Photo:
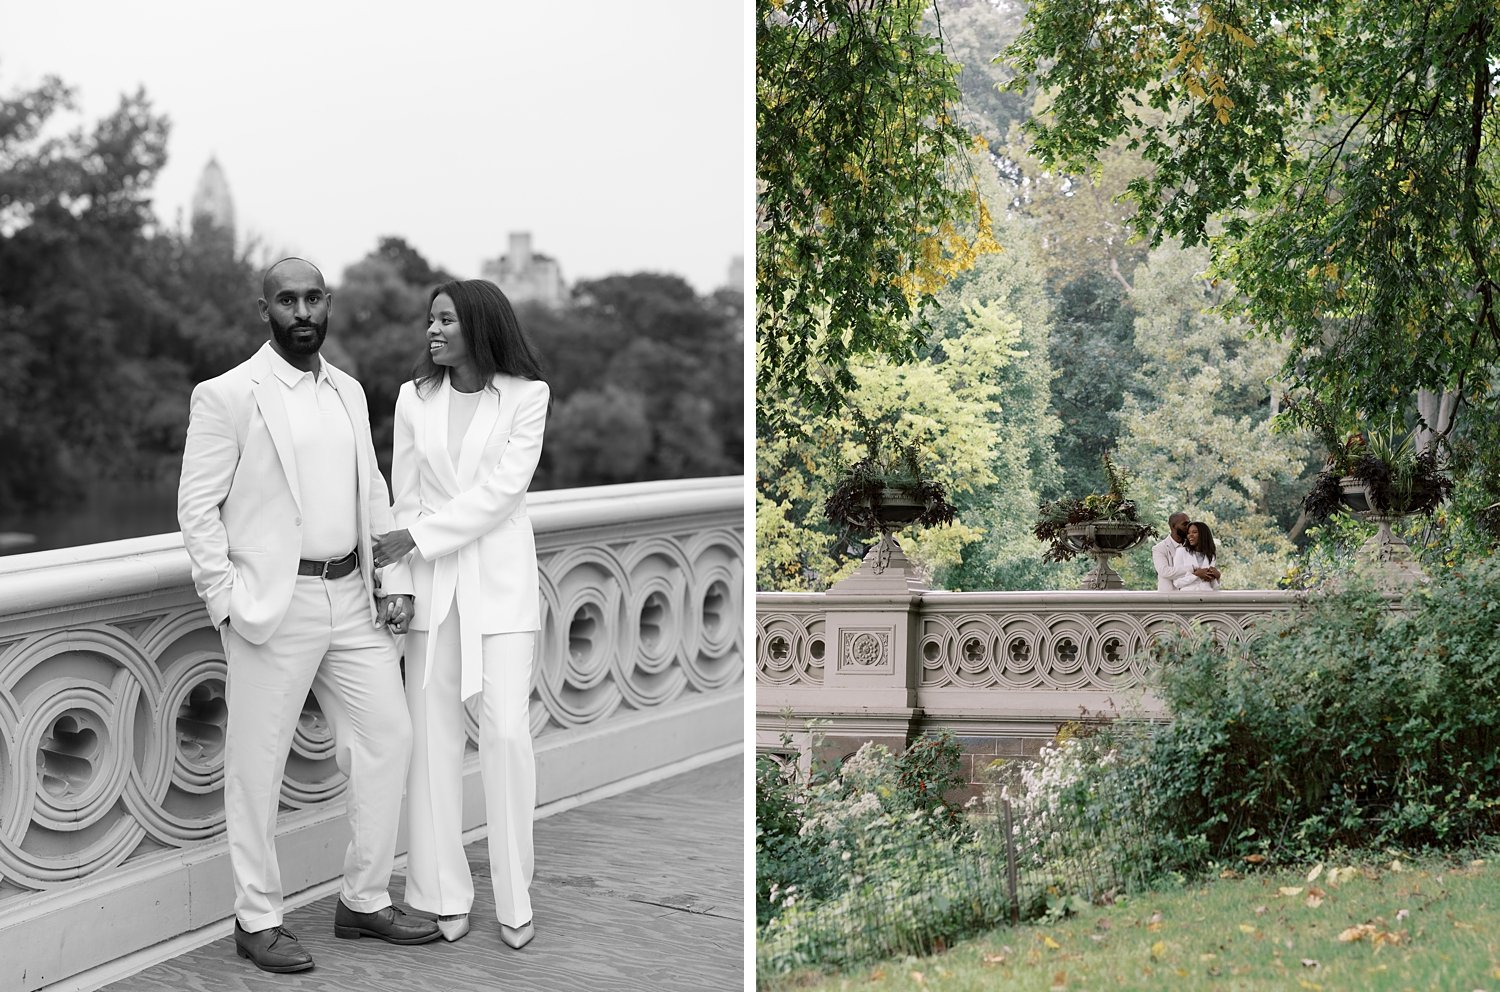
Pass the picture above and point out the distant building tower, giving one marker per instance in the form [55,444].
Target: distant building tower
[213,207]
[736,278]
[527,276]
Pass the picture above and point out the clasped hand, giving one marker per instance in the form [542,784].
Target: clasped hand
[393,547]
[395,611]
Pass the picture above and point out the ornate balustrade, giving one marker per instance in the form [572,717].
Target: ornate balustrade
[112,714]
[876,659]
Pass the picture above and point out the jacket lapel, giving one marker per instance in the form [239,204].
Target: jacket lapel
[273,411]
[485,416]
[437,438]
[344,387]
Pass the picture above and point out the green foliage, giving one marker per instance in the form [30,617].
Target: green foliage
[868,860]
[1054,517]
[1347,725]
[862,185]
[1347,149]
[1197,425]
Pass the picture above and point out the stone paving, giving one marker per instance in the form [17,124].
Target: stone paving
[641,892]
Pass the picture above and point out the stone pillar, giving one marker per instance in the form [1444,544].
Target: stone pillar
[872,669]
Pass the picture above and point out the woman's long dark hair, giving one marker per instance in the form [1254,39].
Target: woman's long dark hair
[1205,541]
[491,333]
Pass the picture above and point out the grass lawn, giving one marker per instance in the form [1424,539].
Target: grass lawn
[1391,926]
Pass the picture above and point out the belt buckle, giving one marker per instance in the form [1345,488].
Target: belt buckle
[326,566]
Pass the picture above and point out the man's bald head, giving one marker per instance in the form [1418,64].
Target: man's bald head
[296,305]
[290,266]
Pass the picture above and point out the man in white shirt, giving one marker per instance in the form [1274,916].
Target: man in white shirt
[279,500]
[1166,548]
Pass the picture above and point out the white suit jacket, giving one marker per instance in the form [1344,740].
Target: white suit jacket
[1167,571]
[238,498]
[474,543]
[1183,563]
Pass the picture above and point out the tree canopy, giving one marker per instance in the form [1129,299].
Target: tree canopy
[1338,156]
[865,203]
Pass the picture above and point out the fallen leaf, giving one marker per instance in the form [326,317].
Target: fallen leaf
[1290,890]
[919,978]
[1049,942]
[1355,933]
[1230,873]
[1396,865]
[1312,876]
[1158,949]
[1313,900]
[1402,914]
[1260,910]
[994,959]
[1254,859]
[1098,937]
[1207,957]
[1309,962]
[1059,981]
[1246,928]
[1314,986]
[1475,864]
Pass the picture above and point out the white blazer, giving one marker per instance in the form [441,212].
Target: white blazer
[1167,570]
[474,543]
[1184,561]
[238,498]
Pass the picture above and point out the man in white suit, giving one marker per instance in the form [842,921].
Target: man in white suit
[1161,556]
[279,497]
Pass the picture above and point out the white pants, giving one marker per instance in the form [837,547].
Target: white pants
[437,872]
[325,643]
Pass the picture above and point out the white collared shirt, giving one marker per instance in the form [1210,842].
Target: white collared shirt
[323,444]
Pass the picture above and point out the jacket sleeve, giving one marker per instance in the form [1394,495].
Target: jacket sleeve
[1167,566]
[209,458]
[396,578]
[478,510]
[1182,568]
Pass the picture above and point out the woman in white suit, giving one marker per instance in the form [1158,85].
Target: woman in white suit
[468,435]
[1196,552]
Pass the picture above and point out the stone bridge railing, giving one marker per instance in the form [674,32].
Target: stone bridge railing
[877,658]
[112,714]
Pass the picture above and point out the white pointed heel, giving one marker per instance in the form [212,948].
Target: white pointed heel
[517,937]
[453,927]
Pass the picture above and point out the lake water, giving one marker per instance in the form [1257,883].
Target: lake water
[109,513]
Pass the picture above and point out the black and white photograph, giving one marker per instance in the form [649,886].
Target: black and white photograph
[372,496]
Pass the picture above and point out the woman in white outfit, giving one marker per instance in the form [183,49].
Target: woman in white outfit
[1197,551]
[468,435]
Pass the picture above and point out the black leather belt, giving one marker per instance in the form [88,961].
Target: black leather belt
[336,569]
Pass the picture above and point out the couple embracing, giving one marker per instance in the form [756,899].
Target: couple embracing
[1186,558]
[308,574]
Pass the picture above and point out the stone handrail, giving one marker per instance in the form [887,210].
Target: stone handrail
[888,664]
[112,712]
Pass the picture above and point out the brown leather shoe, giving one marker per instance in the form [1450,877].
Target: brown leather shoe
[275,950]
[389,924]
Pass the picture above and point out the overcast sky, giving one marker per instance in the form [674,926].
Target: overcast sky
[614,132]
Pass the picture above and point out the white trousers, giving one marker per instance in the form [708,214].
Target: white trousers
[326,643]
[437,872]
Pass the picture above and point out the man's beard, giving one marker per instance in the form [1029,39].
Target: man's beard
[283,335]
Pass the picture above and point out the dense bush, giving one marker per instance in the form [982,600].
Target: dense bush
[1349,724]
[804,825]
[868,859]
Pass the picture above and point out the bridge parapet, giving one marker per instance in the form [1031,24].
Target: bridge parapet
[112,714]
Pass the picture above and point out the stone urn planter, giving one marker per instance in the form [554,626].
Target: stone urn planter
[1103,540]
[1386,555]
